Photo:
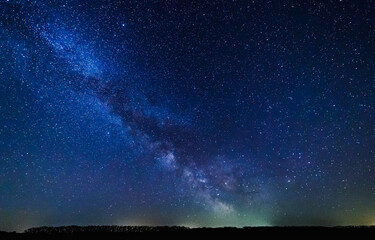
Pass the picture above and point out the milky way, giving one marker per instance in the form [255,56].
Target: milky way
[195,113]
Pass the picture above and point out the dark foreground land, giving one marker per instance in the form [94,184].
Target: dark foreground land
[134,232]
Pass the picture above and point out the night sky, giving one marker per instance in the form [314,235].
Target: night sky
[194,113]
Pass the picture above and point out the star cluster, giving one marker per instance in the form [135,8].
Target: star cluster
[195,113]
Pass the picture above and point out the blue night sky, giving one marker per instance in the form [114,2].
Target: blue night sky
[195,113]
